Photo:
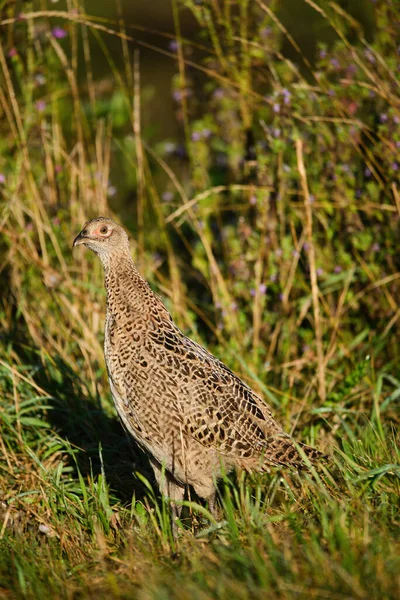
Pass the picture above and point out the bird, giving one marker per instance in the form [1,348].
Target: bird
[194,418]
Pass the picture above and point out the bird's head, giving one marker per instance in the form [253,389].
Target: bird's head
[103,236]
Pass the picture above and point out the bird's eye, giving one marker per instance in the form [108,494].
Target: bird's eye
[85,232]
[103,230]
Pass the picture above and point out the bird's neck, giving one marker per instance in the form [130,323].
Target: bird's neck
[117,263]
[126,288]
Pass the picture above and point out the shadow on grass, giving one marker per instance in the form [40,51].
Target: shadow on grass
[99,440]
[81,419]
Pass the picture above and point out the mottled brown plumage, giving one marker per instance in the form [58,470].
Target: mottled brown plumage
[193,416]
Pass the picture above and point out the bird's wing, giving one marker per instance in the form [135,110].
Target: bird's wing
[216,407]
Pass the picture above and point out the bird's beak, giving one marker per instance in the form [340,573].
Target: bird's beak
[80,239]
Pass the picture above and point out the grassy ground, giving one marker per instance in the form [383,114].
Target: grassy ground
[270,228]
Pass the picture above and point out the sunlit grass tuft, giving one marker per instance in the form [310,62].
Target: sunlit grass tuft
[271,230]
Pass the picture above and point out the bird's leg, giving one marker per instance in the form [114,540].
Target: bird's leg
[169,488]
[213,506]
[176,492]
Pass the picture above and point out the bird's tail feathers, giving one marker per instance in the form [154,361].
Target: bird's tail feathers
[282,451]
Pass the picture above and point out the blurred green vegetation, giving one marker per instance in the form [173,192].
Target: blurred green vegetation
[259,178]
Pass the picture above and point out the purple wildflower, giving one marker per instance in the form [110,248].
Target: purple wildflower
[335,63]
[219,93]
[58,168]
[179,94]
[12,52]
[196,136]
[375,247]
[40,105]
[295,253]
[286,96]
[397,144]
[206,133]
[276,132]
[234,306]
[252,292]
[311,198]
[157,257]
[111,191]
[338,269]
[167,196]
[262,288]
[367,172]
[253,200]
[180,151]
[273,277]
[276,107]
[369,55]
[331,93]
[2,178]
[319,271]
[265,32]
[278,252]
[173,45]
[322,54]
[395,166]
[383,118]
[306,246]
[396,119]
[59,33]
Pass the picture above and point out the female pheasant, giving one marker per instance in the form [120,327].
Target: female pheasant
[192,415]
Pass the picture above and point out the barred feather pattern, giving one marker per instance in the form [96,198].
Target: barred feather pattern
[194,417]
